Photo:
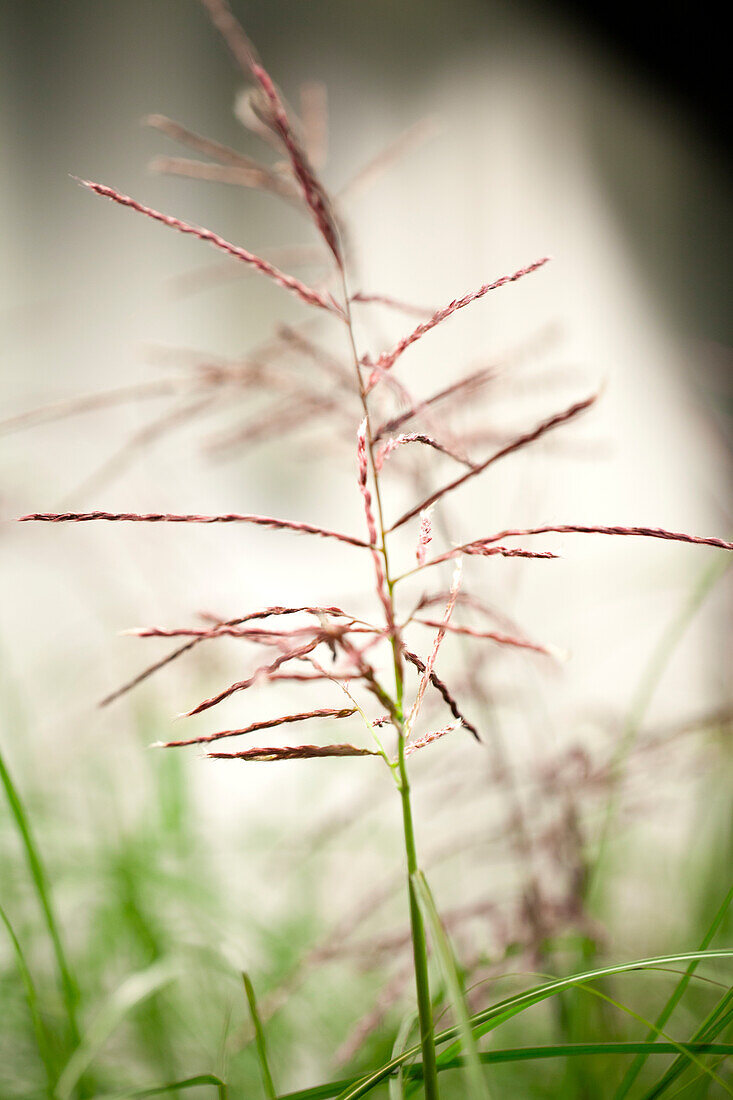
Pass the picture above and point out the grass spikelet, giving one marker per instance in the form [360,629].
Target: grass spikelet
[168,517]
[221,628]
[141,677]
[257,634]
[640,532]
[482,551]
[262,673]
[289,282]
[442,690]
[388,359]
[428,738]
[515,445]
[470,383]
[269,723]
[394,442]
[292,752]
[212,633]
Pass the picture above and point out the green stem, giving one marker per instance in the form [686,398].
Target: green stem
[417,926]
[419,944]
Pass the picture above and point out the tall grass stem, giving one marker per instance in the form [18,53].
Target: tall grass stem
[417,925]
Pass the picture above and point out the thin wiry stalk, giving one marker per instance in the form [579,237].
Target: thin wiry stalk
[417,925]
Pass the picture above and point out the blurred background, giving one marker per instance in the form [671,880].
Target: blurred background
[546,131]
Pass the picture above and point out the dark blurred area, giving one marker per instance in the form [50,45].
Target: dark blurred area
[683,59]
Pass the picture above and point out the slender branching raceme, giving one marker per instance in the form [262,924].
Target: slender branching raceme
[384,681]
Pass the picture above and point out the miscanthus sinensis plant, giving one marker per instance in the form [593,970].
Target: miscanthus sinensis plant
[383,682]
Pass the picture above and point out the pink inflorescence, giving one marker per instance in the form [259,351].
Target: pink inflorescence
[300,147]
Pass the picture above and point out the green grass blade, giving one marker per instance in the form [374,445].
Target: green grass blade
[477,1087]
[32,999]
[38,875]
[171,1086]
[491,1017]
[704,1070]
[636,1066]
[333,1089]
[267,1081]
[582,1050]
[409,1022]
[717,1020]
[138,987]
[693,1080]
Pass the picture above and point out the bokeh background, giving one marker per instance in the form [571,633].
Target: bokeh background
[545,135]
